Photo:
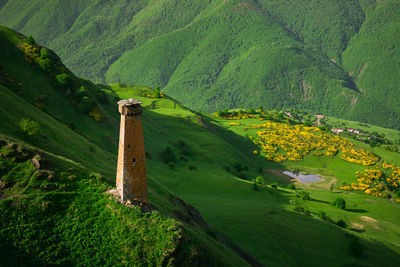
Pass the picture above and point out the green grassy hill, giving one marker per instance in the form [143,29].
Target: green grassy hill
[332,57]
[209,210]
[53,200]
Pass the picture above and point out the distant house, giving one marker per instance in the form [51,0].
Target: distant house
[338,130]
[289,114]
[355,131]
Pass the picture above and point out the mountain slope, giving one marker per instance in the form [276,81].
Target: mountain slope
[53,200]
[198,179]
[227,54]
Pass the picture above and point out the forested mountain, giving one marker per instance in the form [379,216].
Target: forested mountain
[332,57]
[217,190]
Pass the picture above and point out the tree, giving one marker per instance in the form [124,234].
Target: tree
[274,185]
[322,215]
[29,127]
[304,195]
[86,104]
[46,64]
[81,92]
[260,180]
[340,203]
[30,40]
[168,155]
[341,223]
[157,92]
[291,186]
[44,53]
[64,79]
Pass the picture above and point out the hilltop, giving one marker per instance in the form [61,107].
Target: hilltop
[337,58]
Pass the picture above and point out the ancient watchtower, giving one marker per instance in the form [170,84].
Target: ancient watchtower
[131,169]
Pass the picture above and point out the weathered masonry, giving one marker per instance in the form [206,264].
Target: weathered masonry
[131,169]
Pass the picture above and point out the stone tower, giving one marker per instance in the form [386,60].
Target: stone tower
[131,169]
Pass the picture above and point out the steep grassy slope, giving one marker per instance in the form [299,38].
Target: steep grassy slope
[226,54]
[53,201]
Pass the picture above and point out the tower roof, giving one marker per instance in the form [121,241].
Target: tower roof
[129,102]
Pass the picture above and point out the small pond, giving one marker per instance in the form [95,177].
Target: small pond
[303,178]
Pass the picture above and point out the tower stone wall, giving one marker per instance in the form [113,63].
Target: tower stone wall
[131,170]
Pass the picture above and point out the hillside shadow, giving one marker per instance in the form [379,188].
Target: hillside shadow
[357,210]
[320,201]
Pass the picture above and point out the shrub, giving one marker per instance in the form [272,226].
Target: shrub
[299,207]
[341,223]
[168,155]
[322,215]
[340,203]
[183,158]
[157,92]
[242,176]
[304,195]
[81,92]
[251,111]
[44,53]
[171,165]
[64,79]
[30,40]
[274,185]
[46,64]
[192,167]
[291,187]
[260,180]
[86,104]
[29,127]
